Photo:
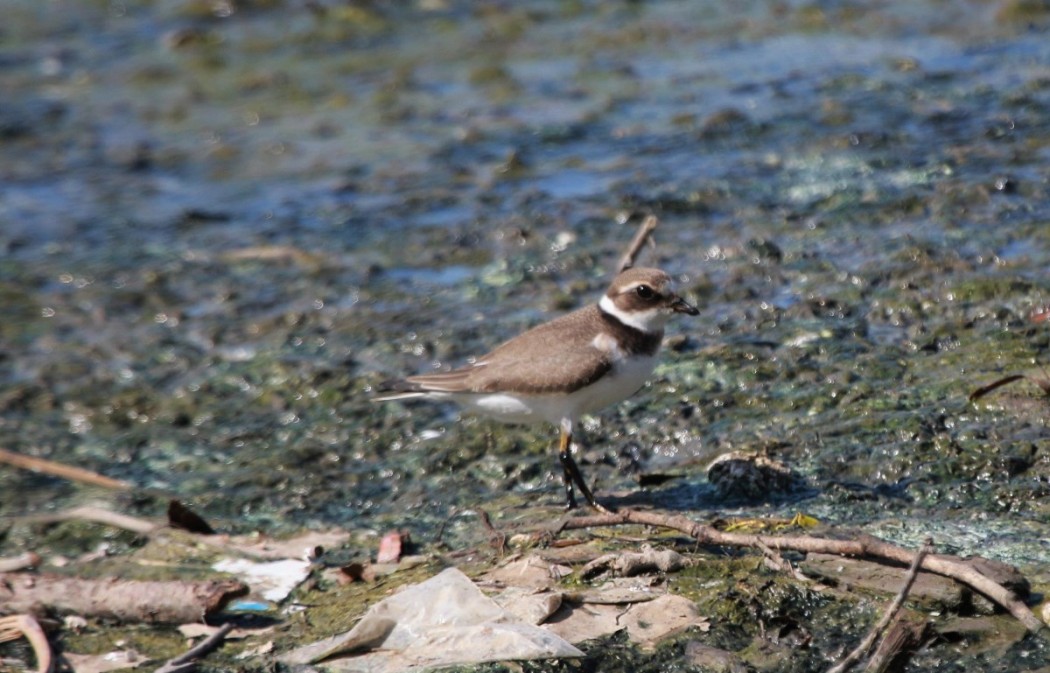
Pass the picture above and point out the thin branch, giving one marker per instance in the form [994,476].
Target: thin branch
[59,470]
[255,548]
[20,562]
[984,390]
[777,563]
[499,539]
[645,230]
[98,515]
[187,661]
[866,546]
[891,611]
[15,626]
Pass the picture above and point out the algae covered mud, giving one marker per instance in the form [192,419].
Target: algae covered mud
[223,224]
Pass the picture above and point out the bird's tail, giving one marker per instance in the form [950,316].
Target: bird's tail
[397,389]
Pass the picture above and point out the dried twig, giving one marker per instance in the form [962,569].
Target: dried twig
[21,562]
[499,538]
[629,564]
[774,561]
[187,661]
[891,612]
[97,515]
[1043,383]
[250,546]
[59,470]
[16,626]
[865,546]
[645,230]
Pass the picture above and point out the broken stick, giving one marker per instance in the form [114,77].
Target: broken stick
[641,237]
[59,470]
[961,571]
[99,515]
[860,650]
[187,661]
[21,562]
[16,626]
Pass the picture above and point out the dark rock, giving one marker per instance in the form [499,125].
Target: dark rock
[712,659]
[849,574]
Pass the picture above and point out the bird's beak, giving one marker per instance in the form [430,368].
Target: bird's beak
[679,305]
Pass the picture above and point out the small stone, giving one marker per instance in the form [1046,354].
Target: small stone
[712,659]
[750,476]
[931,590]
[391,547]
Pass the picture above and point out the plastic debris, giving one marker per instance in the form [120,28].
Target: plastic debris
[443,621]
[273,580]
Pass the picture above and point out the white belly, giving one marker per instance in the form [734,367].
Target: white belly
[626,377]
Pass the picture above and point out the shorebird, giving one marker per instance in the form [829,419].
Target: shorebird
[560,370]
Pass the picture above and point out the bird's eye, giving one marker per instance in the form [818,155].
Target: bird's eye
[645,292]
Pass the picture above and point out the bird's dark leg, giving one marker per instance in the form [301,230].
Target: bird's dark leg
[565,456]
[571,474]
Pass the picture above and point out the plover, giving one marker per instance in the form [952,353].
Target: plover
[560,370]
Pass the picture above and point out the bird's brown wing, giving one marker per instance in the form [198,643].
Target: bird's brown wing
[557,356]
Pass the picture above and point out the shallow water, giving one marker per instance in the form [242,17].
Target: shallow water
[221,226]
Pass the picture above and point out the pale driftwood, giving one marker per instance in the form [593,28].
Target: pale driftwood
[17,626]
[98,515]
[629,564]
[864,546]
[61,470]
[20,562]
[253,546]
[111,598]
[641,237]
[187,661]
[891,611]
